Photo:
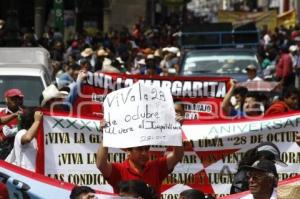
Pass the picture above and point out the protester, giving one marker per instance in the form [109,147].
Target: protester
[252,73]
[263,179]
[288,103]
[239,94]
[284,68]
[69,76]
[191,194]
[136,189]
[82,192]
[263,151]
[53,98]
[25,145]
[14,105]
[138,166]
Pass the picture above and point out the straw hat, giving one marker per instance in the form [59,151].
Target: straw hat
[52,92]
[102,53]
[87,52]
[107,67]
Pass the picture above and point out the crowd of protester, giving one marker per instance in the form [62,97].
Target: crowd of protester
[147,50]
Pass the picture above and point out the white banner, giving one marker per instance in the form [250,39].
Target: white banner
[140,115]
[209,165]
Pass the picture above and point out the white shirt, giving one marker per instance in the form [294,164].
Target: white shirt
[250,196]
[254,79]
[23,155]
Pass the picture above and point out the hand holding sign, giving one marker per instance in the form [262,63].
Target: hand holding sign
[140,115]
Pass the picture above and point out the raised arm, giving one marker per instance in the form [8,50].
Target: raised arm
[226,105]
[32,131]
[174,157]
[102,161]
[102,157]
[8,118]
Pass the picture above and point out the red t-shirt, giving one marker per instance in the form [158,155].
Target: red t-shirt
[154,173]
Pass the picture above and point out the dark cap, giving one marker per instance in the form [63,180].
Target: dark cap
[269,147]
[14,92]
[262,165]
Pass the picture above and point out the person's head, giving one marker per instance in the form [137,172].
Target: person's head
[191,194]
[82,192]
[291,97]
[84,64]
[136,189]
[139,156]
[252,105]
[262,177]
[27,118]
[251,71]
[179,108]
[51,97]
[14,99]
[240,93]
[73,70]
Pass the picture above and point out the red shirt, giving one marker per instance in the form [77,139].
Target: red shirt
[284,67]
[278,107]
[154,173]
[11,124]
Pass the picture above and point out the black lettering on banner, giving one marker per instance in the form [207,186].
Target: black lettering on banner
[57,176]
[79,138]
[169,196]
[220,178]
[233,158]
[289,136]
[57,138]
[189,159]
[95,138]
[180,178]
[290,157]
[70,158]
[239,140]
[86,179]
[215,142]
[283,176]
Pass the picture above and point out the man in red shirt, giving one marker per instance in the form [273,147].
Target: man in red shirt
[9,121]
[287,104]
[14,102]
[138,166]
[284,68]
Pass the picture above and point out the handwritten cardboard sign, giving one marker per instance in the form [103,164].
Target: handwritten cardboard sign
[140,115]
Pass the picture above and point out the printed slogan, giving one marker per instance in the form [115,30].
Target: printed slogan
[209,163]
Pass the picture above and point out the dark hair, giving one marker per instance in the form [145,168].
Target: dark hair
[27,118]
[137,188]
[192,194]
[74,67]
[77,190]
[242,91]
[254,95]
[289,92]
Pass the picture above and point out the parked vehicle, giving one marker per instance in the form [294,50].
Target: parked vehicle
[219,62]
[218,50]
[27,69]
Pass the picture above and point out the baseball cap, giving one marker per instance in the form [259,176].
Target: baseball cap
[262,165]
[251,67]
[13,93]
[270,148]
